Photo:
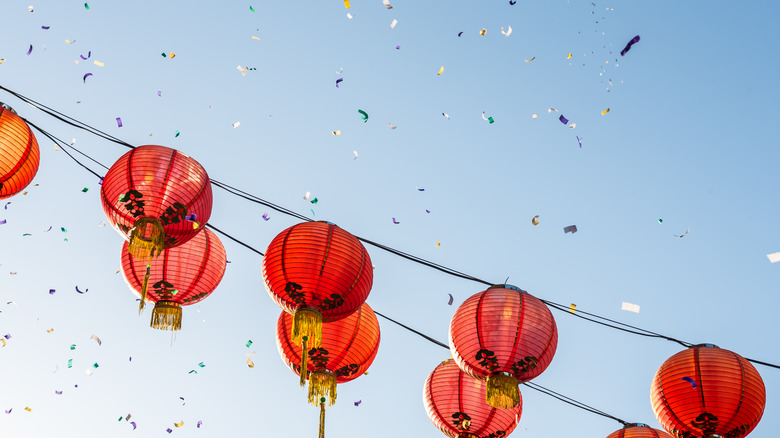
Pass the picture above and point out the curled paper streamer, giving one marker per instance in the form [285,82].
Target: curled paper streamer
[395,221]
[449,303]
[134,425]
[96,339]
[265,218]
[604,113]
[508,30]
[579,140]
[534,221]
[529,60]
[85,290]
[441,70]
[338,81]
[179,424]
[249,363]
[689,380]
[30,50]
[633,41]
[363,115]
[85,77]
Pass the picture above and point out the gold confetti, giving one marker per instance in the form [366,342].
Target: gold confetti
[604,113]
[49,330]
[534,221]
[249,363]
[255,38]
[483,31]
[529,60]
[338,132]
[572,307]
[346,4]
[438,244]
[568,56]
[441,70]
[99,64]
[27,408]
[179,424]
[171,55]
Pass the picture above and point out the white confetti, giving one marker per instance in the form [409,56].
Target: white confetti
[630,307]
[392,25]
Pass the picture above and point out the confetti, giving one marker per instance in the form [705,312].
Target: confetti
[350,16]
[70,363]
[45,27]
[533,116]
[357,403]
[563,120]
[441,70]
[438,244]
[488,119]
[86,76]
[49,330]
[630,307]
[660,221]
[689,380]
[534,221]
[9,411]
[119,122]
[85,290]
[390,125]
[249,363]
[549,110]
[72,346]
[192,371]
[306,196]
[88,55]
[58,392]
[568,56]
[570,229]
[446,115]
[199,423]
[397,47]
[30,50]
[255,38]
[508,30]
[363,115]
[774,258]
[201,365]
[169,430]
[236,125]
[337,132]
[7,336]
[449,303]
[86,6]
[483,31]
[171,55]
[243,70]
[2,60]
[3,341]
[356,155]
[251,8]
[339,80]
[51,291]
[392,25]
[529,60]
[572,126]
[31,9]
[459,34]
[95,365]
[265,218]
[96,339]
[179,424]
[100,64]
[387,4]
[85,190]
[633,41]
[683,234]
[579,141]
[27,408]
[512,2]
[604,113]
[572,308]
[419,189]
[314,201]
[134,425]
[395,221]
[3,222]
[177,133]
[346,4]
[159,93]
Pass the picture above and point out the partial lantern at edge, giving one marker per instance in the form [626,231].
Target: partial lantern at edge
[317,272]
[156,198]
[347,349]
[19,153]
[503,335]
[706,391]
[455,403]
[181,276]
[638,430]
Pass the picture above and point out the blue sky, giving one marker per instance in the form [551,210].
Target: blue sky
[689,139]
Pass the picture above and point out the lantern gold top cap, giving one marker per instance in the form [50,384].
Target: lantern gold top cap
[704,345]
[630,425]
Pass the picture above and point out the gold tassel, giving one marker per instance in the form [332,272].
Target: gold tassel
[166,315]
[322,383]
[322,417]
[502,391]
[304,359]
[147,238]
[143,289]
[307,321]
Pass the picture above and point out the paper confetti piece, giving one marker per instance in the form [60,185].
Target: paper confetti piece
[579,141]
[236,125]
[306,196]
[549,110]
[7,336]
[99,64]
[265,218]
[774,258]
[363,115]
[9,411]
[572,126]
[689,380]
[169,430]
[459,34]
[179,424]
[449,303]
[243,70]
[339,80]
[633,41]
[483,31]
[49,330]
[134,425]
[604,113]
[489,119]
[534,221]
[177,133]
[119,122]
[337,132]
[357,403]
[350,16]
[563,120]
[251,8]
[387,4]
[96,339]
[85,290]
[30,8]
[441,70]
[171,55]
[568,56]
[446,115]
[86,76]
[4,344]
[85,190]
[88,55]
[630,307]
[397,47]
[51,291]
[683,234]
[660,221]
[249,363]
[192,371]
[255,38]
[70,363]
[314,201]
[27,408]
[58,392]
[390,125]
[512,2]
[45,27]
[395,221]
[572,308]
[201,365]
[529,60]
[95,365]
[508,30]
[2,60]
[356,155]
[346,4]
[199,423]
[570,229]
[533,116]
[3,222]
[86,6]
[392,25]
[72,346]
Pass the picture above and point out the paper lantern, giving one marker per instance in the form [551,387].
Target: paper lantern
[156,198]
[181,276]
[319,273]
[19,153]
[347,349]
[638,430]
[707,391]
[455,403]
[506,336]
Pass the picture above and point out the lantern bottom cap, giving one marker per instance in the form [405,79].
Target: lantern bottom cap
[322,383]
[502,391]
[307,322]
[166,315]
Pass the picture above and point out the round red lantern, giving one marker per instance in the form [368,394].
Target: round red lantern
[706,391]
[319,273]
[506,336]
[346,350]
[455,403]
[181,276]
[157,198]
[638,430]
[19,153]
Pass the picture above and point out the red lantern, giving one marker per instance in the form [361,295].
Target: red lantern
[504,335]
[19,153]
[319,273]
[638,430]
[707,391]
[347,348]
[181,276]
[157,198]
[455,403]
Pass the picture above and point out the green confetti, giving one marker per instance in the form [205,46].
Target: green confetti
[177,134]
[64,230]
[95,365]
[251,8]
[490,119]
[312,212]
[315,200]
[201,365]
[122,198]
[164,55]
[121,417]
[660,221]
[86,6]
[70,363]
[26,234]
[85,190]
[248,343]
[363,115]
[72,346]
[192,371]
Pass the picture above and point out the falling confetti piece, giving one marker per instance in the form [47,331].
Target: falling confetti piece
[356,155]
[449,303]
[572,307]
[579,141]
[86,76]
[199,423]
[512,2]
[72,346]
[201,365]
[604,113]
[563,120]
[338,132]
[58,392]
[483,31]
[4,344]
[459,34]
[27,408]
[249,363]
[441,70]
[64,230]
[446,115]
[169,430]
[9,411]
[508,30]
[51,291]
[192,371]
[98,63]
[339,80]
[438,244]
[683,234]
[387,4]
[177,133]
[397,47]
[96,339]
[2,60]
[248,343]
[70,363]
[85,190]
[134,425]
[45,27]
[119,122]
[85,290]
[533,116]
[689,380]
[179,424]
[159,93]
[49,330]
[314,201]
[630,307]
[255,38]
[660,221]
[534,221]
[529,60]
[86,6]
[633,41]
[251,8]
[395,221]
[390,125]
[570,229]
[489,119]
[171,55]
[265,218]
[549,110]
[3,222]
[30,8]
[306,196]
[357,403]
[87,57]
[236,125]
[312,212]
[572,126]
[568,56]
[346,4]
[95,365]
[243,70]
[774,258]
[363,115]
[392,25]
[350,16]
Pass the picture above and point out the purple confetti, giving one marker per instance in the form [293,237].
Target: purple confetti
[88,55]
[58,392]
[420,190]
[86,76]
[85,290]
[579,140]
[512,2]
[199,423]
[159,93]
[9,411]
[427,211]
[397,47]
[338,80]
[45,27]
[119,121]
[7,336]
[6,205]
[29,51]
[100,182]
[133,423]
[563,120]
[266,217]
[169,430]
[48,229]
[51,291]
[3,222]
[357,403]
[460,33]
[688,379]
[131,359]
[633,41]
[395,221]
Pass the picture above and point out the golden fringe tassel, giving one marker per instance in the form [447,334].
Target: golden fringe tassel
[166,315]
[502,391]
[144,288]
[322,417]
[322,383]
[307,321]
[304,360]
[147,238]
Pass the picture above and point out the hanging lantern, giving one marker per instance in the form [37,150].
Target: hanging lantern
[347,348]
[706,391]
[506,336]
[157,198]
[19,153]
[319,273]
[455,403]
[638,430]
[181,276]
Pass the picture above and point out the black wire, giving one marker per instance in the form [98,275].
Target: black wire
[54,139]
[440,344]
[233,239]
[252,198]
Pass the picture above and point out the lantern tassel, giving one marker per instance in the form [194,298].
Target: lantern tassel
[307,321]
[144,288]
[304,359]
[322,418]
[166,315]
[502,391]
[147,238]
[322,383]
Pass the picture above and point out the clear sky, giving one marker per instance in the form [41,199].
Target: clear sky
[690,138]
